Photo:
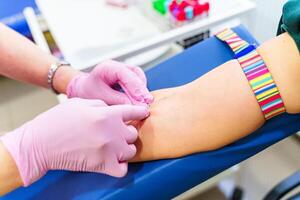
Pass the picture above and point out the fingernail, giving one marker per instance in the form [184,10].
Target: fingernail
[148,98]
[147,112]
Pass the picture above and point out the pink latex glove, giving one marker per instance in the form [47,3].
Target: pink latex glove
[99,83]
[78,135]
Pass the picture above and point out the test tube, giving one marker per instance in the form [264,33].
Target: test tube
[189,12]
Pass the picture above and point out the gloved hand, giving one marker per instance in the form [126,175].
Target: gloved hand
[99,83]
[78,135]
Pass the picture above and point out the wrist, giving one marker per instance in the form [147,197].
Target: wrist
[27,156]
[63,77]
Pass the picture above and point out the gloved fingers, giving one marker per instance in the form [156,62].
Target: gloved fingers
[139,72]
[127,153]
[118,98]
[133,100]
[113,72]
[133,86]
[94,102]
[116,168]
[121,170]
[130,112]
[130,80]
[88,102]
[131,135]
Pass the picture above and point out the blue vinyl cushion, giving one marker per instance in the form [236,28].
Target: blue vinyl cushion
[167,178]
[11,14]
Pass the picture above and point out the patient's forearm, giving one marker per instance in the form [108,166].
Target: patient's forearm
[218,108]
[212,111]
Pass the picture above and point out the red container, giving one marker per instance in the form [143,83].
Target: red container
[183,4]
[206,6]
[198,10]
[173,5]
[179,15]
[192,2]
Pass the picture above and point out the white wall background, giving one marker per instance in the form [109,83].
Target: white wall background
[263,22]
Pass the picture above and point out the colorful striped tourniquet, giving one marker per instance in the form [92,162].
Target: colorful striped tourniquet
[257,73]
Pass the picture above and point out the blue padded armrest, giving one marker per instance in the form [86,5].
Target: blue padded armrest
[167,178]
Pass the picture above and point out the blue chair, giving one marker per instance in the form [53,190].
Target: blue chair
[285,187]
[165,179]
[11,14]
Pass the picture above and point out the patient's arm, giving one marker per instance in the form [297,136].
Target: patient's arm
[217,108]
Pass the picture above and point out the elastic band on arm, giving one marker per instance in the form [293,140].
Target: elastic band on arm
[257,73]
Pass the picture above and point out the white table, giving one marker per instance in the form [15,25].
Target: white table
[64,17]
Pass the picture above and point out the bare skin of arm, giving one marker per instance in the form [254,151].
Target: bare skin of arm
[218,108]
[22,60]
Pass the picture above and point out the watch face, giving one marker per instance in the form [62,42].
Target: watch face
[245,51]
